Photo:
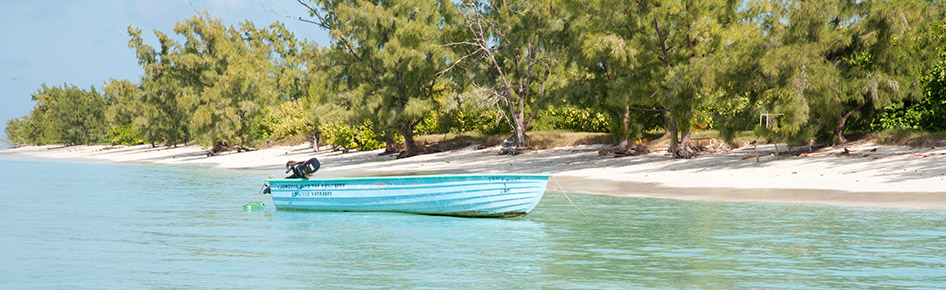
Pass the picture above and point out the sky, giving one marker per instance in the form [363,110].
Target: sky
[85,42]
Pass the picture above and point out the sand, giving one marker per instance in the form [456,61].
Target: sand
[869,175]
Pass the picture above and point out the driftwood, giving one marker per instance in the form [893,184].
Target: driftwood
[631,150]
[791,150]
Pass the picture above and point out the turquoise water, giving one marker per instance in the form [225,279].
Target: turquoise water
[107,226]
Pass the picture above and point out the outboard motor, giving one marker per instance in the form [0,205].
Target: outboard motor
[303,169]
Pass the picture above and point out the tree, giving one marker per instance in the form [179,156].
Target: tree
[323,93]
[880,65]
[929,112]
[124,111]
[516,52]
[608,42]
[687,37]
[389,54]
[63,115]
[230,80]
[768,70]
[833,58]
[216,84]
[933,104]
[122,97]
[291,59]
[159,111]
[20,130]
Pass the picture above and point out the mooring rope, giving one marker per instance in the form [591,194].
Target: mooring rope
[260,192]
[569,199]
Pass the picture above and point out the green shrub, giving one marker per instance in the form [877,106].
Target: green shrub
[347,137]
[572,118]
[124,135]
[285,120]
[455,121]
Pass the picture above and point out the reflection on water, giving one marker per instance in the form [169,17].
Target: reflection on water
[129,226]
[406,250]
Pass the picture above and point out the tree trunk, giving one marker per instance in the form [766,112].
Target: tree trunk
[520,137]
[687,149]
[315,138]
[755,148]
[840,130]
[625,146]
[519,127]
[390,147]
[680,146]
[624,142]
[776,152]
[410,148]
[672,130]
[151,137]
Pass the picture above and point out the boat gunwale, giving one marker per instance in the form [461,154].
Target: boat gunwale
[398,177]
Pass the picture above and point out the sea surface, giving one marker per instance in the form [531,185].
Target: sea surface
[72,225]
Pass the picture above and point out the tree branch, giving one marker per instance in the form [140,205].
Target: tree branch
[648,110]
[317,15]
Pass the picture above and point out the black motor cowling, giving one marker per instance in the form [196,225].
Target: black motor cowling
[303,169]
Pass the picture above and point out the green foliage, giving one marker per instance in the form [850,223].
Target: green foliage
[457,121]
[241,83]
[520,45]
[611,48]
[929,113]
[398,68]
[128,113]
[155,107]
[61,115]
[932,113]
[215,86]
[124,135]
[932,108]
[393,56]
[573,118]
[834,58]
[20,131]
[901,116]
[464,112]
[286,120]
[361,137]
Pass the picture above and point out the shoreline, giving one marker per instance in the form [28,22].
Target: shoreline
[870,175]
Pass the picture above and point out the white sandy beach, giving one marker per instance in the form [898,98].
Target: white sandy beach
[891,176]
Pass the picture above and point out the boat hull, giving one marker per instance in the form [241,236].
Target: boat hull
[472,195]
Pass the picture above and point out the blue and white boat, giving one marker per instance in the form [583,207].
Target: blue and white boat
[472,195]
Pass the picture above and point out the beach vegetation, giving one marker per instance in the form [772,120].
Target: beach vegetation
[20,131]
[391,56]
[540,139]
[124,135]
[514,52]
[573,118]
[156,109]
[61,115]
[927,113]
[402,75]
[907,137]
[353,138]
[282,121]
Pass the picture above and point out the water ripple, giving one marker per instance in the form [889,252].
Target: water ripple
[130,226]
